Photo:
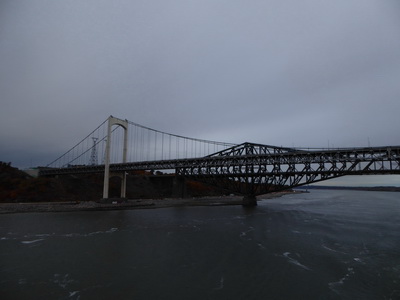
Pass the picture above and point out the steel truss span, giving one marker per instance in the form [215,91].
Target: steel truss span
[254,169]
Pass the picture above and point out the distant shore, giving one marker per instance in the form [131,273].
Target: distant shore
[34,207]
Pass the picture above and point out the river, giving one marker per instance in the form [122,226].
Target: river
[320,245]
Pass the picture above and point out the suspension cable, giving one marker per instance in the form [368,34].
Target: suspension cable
[77,143]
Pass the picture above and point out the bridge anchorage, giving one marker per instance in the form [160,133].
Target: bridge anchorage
[246,169]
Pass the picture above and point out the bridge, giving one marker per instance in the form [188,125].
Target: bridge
[117,147]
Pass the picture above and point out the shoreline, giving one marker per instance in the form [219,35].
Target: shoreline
[36,207]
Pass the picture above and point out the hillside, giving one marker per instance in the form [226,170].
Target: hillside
[17,186]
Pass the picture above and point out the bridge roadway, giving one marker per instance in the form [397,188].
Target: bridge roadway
[254,169]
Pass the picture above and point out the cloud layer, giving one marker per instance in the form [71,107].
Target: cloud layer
[292,73]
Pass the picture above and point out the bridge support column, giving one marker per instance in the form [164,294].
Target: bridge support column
[249,200]
[123,185]
[124,124]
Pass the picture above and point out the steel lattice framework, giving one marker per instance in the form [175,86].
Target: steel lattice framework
[254,169]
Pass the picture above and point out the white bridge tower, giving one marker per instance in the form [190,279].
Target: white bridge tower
[124,124]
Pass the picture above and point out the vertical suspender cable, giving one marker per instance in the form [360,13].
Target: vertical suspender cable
[169,151]
[162,146]
[155,145]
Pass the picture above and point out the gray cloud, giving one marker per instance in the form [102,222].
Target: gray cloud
[302,73]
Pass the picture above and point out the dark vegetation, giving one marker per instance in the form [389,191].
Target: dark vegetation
[17,186]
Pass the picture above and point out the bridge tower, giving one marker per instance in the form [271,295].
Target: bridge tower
[124,124]
[93,155]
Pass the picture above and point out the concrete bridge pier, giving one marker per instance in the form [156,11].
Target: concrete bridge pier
[123,185]
[249,200]
[179,187]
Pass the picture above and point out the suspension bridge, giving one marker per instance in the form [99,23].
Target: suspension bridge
[117,147]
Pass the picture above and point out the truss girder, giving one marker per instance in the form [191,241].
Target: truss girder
[258,169]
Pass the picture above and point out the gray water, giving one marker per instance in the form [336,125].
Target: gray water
[318,245]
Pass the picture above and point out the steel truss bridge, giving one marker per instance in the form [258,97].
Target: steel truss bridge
[248,169]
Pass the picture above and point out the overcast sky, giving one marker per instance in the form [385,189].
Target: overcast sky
[308,73]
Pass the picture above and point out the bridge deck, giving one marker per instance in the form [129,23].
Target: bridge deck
[356,160]
[256,169]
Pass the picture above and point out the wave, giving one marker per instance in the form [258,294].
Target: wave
[295,262]
[31,242]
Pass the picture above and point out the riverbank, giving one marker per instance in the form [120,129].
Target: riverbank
[7,208]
